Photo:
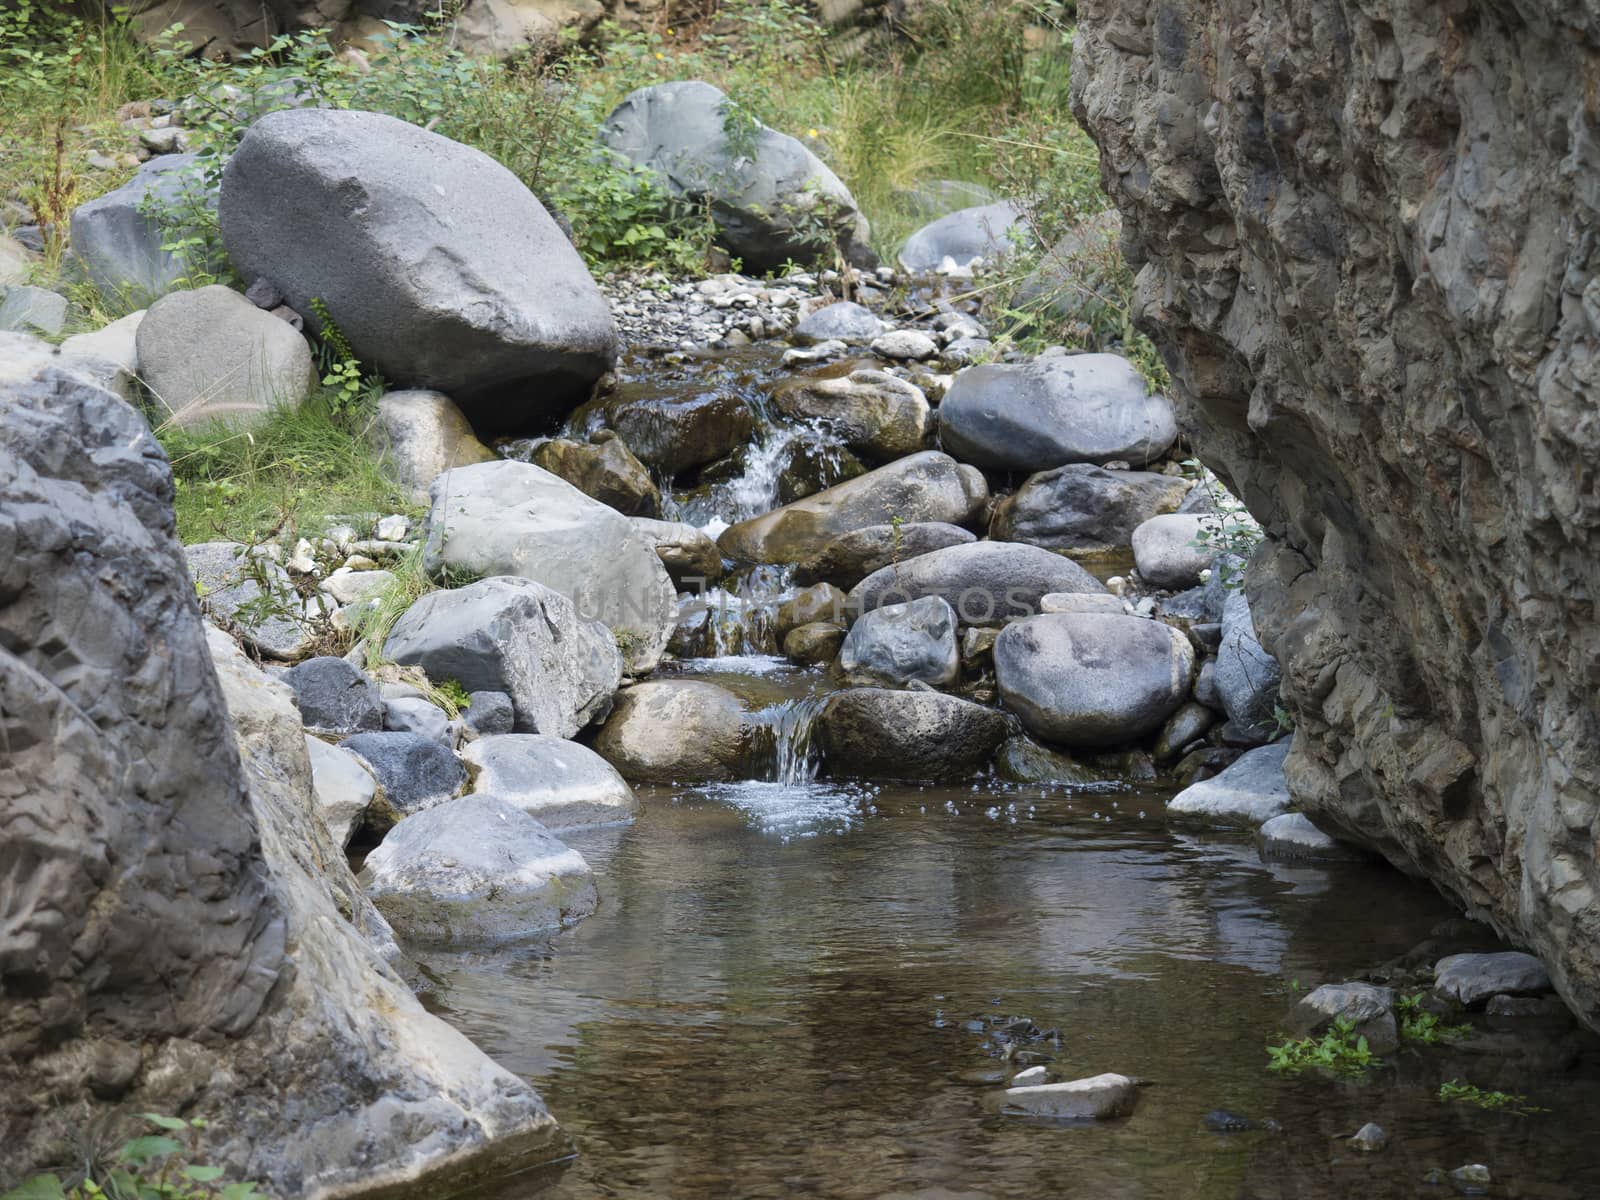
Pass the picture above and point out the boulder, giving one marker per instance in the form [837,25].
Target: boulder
[690,557]
[1083,679]
[1084,510]
[249,594]
[559,782]
[511,518]
[1184,727]
[421,435]
[771,198]
[851,557]
[334,698]
[211,355]
[1172,550]
[1293,837]
[674,432]
[477,872]
[987,232]
[987,583]
[897,643]
[1471,979]
[118,236]
[923,487]
[415,714]
[342,788]
[604,469]
[414,772]
[815,644]
[819,602]
[440,268]
[1247,676]
[874,733]
[190,937]
[842,321]
[1249,793]
[1088,408]
[879,416]
[1369,1008]
[683,731]
[111,353]
[490,712]
[1098,1098]
[33,310]
[515,636]
[1023,760]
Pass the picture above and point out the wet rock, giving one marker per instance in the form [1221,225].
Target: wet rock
[924,487]
[1247,677]
[559,782]
[334,698]
[1023,760]
[118,236]
[1368,1007]
[342,788]
[880,416]
[819,602]
[847,560]
[844,321]
[504,317]
[421,435]
[250,595]
[1523,1008]
[772,199]
[1248,793]
[604,469]
[1032,1077]
[816,644]
[1172,550]
[873,733]
[1183,728]
[1472,1179]
[690,557]
[892,645]
[1292,837]
[1471,979]
[414,772]
[685,731]
[1084,509]
[809,466]
[414,714]
[477,871]
[1036,416]
[1370,1138]
[674,433]
[984,232]
[1097,1098]
[987,583]
[210,354]
[1222,1120]
[1081,679]
[490,712]
[511,518]
[517,637]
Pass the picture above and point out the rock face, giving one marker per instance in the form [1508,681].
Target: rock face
[1084,510]
[987,583]
[772,199]
[187,936]
[1374,315]
[441,269]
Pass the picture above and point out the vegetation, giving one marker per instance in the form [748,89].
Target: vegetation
[1339,1051]
[1455,1092]
[1417,1024]
[157,1166]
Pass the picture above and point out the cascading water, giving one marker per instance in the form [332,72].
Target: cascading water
[758,488]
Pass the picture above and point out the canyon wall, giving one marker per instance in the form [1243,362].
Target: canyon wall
[1366,236]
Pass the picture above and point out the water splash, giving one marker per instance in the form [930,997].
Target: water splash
[757,489]
[785,745]
[739,622]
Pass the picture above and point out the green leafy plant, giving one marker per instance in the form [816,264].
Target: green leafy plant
[454,694]
[166,1165]
[1417,1024]
[1339,1051]
[1455,1092]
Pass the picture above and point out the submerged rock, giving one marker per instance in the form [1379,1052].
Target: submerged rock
[477,871]
[556,781]
[873,733]
[1370,1138]
[1023,760]
[1097,1098]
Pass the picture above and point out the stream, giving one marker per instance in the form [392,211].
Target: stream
[798,987]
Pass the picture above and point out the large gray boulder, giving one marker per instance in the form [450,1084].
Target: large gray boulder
[772,199]
[415,773]
[179,919]
[851,557]
[897,643]
[440,268]
[559,782]
[987,583]
[118,236]
[929,486]
[1087,679]
[1090,408]
[477,871]
[210,355]
[875,733]
[335,698]
[676,730]
[516,636]
[1471,979]
[880,416]
[512,518]
[1084,510]
[985,232]
[421,435]
[1248,793]
[1247,677]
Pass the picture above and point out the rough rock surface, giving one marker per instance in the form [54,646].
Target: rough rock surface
[1083,509]
[1364,236]
[880,416]
[415,773]
[186,938]
[437,264]
[897,643]
[604,469]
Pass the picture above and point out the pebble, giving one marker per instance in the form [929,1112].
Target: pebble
[904,345]
[303,561]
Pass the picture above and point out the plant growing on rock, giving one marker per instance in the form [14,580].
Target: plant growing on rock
[1417,1024]
[156,1166]
[1339,1051]
[1453,1091]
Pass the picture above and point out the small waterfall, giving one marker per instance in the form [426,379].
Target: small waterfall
[757,488]
[786,749]
[740,622]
